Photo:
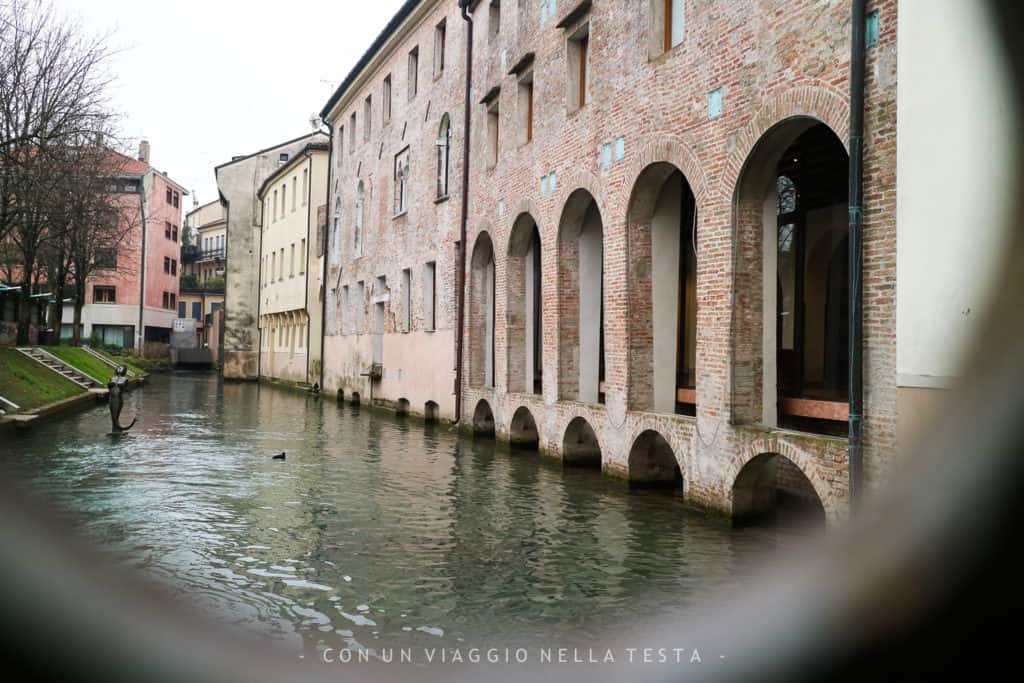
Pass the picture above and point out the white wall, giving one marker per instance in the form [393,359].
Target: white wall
[665,294]
[590,304]
[952,141]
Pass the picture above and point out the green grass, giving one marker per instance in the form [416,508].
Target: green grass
[130,362]
[83,361]
[29,384]
[140,365]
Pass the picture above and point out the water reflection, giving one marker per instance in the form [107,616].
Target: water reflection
[376,531]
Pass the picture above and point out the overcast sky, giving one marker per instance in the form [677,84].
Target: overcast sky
[204,80]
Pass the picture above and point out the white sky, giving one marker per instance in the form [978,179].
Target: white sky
[206,80]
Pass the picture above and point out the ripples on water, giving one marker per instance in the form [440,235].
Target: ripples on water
[376,531]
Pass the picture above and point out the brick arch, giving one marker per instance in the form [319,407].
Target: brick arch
[591,419]
[654,149]
[820,102]
[481,308]
[525,205]
[579,180]
[523,298]
[803,459]
[678,439]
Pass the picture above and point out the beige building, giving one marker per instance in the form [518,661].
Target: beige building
[203,267]
[291,266]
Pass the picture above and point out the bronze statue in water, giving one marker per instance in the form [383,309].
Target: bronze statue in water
[116,387]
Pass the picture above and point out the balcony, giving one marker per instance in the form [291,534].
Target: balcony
[193,254]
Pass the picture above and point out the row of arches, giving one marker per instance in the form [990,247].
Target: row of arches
[769,488]
[431,410]
[791,286]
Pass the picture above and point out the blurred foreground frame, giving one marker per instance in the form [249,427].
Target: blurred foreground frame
[922,582]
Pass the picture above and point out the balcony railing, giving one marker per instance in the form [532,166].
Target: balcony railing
[195,254]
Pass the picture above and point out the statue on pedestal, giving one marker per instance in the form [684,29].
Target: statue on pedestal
[115,388]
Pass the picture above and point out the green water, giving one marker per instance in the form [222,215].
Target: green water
[376,531]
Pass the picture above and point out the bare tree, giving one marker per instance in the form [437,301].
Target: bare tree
[53,96]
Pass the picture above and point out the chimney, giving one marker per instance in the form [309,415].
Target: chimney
[144,150]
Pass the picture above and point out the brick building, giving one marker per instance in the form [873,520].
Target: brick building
[657,256]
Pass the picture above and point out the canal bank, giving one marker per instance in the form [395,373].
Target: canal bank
[376,529]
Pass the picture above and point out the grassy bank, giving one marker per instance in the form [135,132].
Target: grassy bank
[142,366]
[83,361]
[29,384]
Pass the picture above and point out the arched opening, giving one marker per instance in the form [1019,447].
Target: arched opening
[481,313]
[357,221]
[792,281]
[652,464]
[579,445]
[524,326]
[354,400]
[772,490]
[522,431]
[581,357]
[483,419]
[662,226]
[431,412]
[341,395]
[402,407]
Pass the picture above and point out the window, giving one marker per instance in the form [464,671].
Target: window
[360,306]
[282,158]
[176,200]
[439,36]
[275,207]
[174,303]
[666,25]
[367,117]
[104,294]
[167,264]
[295,187]
[197,310]
[357,225]
[402,181]
[341,141]
[174,266]
[336,234]
[167,230]
[284,198]
[305,186]
[444,145]
[494,19]
[291,262]
[493,131]
[174,233]
[526,108]
[165,300]
[352,133]
[170,196]
[579,68]
[182,308]
[106,259]
[281,261]
[406,300]
[430,295]
[344,310]
[385,100]
[302,256]
[414,71]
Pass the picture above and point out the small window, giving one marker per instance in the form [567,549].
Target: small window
[579,68]
[305,186]
[106,259]
[494,19]
[167,264]
[352,133]
[282,264]
[174,302]
[174,233]
[182,308]
[104,295]
[414,71]
[444,146]
[302,256]
[493,132]
[291,262]
[360,304]
[406,300]
[197,310]
[526,108]
[274,219]
[167,230]
[401,182]
[667,22]
[344,310]
[357,224]
[176,200]
[341,141]
[284,198]
[174,266]
[273,266]
[295,187]
[367,117]
[282,157]
[430,295]
[385,100]
[170,196]
[439,40]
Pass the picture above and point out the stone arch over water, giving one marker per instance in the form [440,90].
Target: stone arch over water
[580,447]
[772,490]
[652,464]
[483,419]
[522,430]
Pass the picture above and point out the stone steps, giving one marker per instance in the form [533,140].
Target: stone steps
[48,360]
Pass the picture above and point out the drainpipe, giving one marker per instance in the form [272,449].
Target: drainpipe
[856,234]
[461,276]
[305,257]
[259,296]
[327,238]
[141,335]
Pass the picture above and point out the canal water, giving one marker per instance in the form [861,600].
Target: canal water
[376,531]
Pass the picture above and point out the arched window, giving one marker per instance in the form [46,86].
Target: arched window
[336,234]
[444,140]
[357,226]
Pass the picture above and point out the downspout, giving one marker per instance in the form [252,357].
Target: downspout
[141,335]
[856,236]
[461,276]
[305,257]
[259,296]
[327,232]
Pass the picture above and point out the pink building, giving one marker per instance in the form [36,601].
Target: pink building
[138,301]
